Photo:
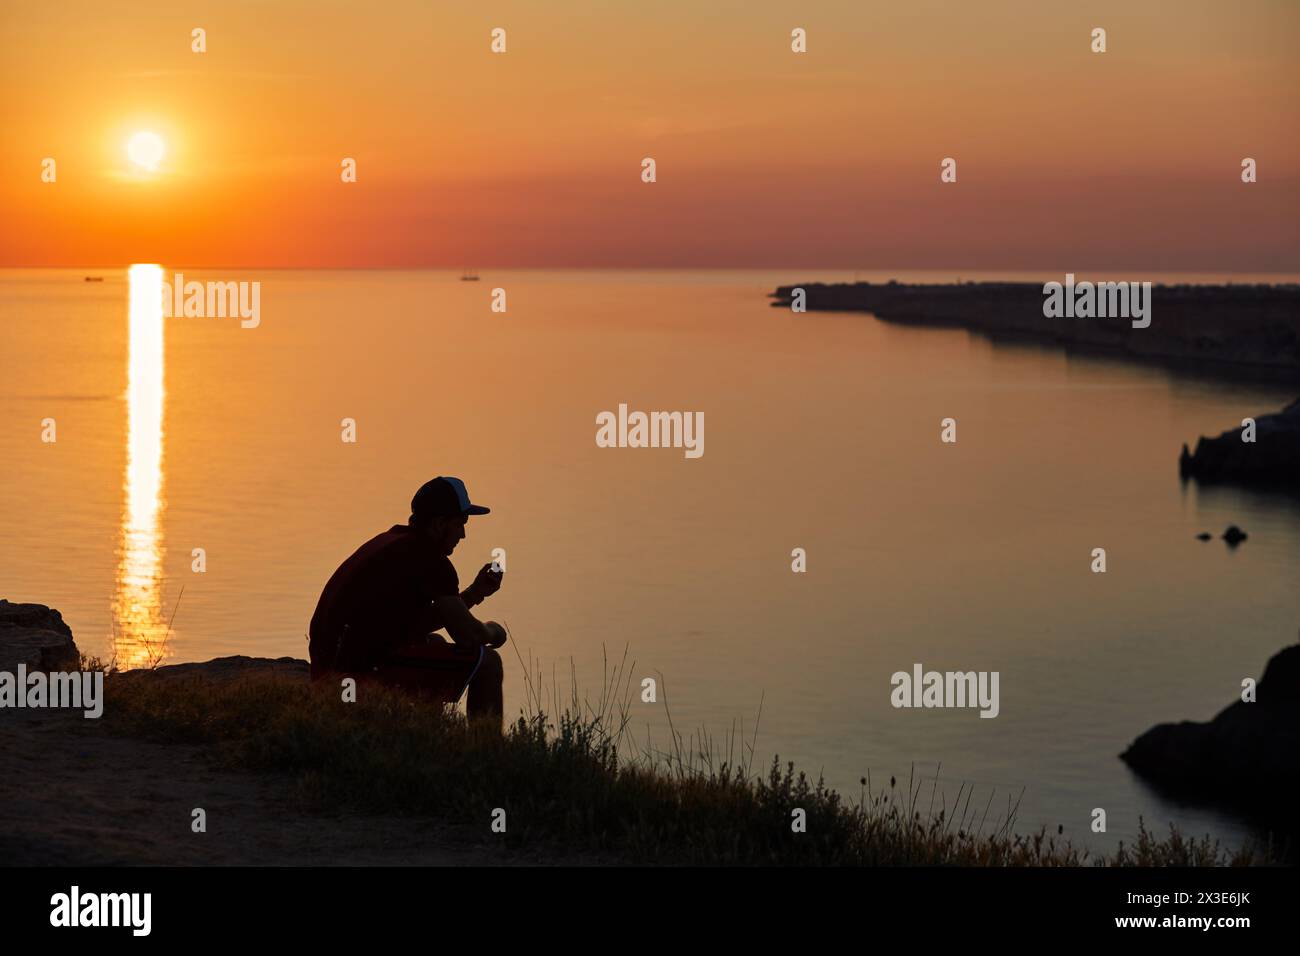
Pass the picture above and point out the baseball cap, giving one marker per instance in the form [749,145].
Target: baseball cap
[443,497]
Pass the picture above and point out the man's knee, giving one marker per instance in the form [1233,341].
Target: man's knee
[491,669]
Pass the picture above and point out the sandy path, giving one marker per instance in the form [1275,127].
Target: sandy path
[73,794]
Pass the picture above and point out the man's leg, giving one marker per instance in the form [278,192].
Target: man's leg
[434,668]
[485,688]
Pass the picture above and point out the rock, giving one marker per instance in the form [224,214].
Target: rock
[35,635]
[1273,458]
[225,669]
[1247,756]
[1204,536]
[1234,535]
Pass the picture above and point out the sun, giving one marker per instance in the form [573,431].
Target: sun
[146,150]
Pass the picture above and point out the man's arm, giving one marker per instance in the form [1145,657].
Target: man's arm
[465,629]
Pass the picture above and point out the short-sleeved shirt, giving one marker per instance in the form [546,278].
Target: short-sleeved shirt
[379,598]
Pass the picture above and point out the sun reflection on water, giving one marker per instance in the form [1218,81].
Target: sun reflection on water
[139,631]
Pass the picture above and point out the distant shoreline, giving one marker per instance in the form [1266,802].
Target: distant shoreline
[1214,326]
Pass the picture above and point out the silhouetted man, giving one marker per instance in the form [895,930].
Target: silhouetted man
[377,613]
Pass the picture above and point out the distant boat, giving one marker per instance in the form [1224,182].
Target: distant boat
[469,275]
[94,278]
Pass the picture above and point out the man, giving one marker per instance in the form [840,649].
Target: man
[375,617]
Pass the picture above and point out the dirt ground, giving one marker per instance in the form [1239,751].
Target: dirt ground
[72,794]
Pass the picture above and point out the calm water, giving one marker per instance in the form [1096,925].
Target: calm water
[822,432]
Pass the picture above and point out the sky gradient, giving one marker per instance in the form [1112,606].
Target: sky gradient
[1067,160]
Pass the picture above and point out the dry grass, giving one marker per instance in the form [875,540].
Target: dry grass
[568,774]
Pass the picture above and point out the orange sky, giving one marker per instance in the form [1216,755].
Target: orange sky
[1067,160]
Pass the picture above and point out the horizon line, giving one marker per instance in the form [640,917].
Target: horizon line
[959,271]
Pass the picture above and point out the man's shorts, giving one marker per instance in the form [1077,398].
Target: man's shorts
[431,666]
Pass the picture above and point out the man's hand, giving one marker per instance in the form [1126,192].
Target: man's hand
[486,584]
[465,629]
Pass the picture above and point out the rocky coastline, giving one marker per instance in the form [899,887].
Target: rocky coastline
[1223,326]
[1247,757]
[1267,453]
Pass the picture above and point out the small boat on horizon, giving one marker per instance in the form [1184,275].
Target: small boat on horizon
[469,275]
[94,279]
